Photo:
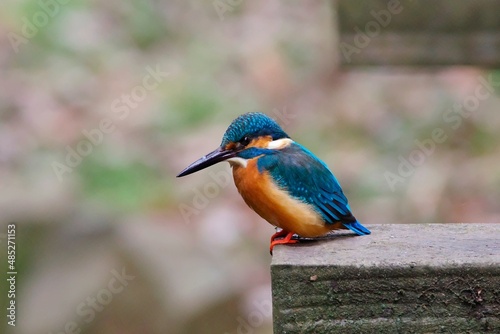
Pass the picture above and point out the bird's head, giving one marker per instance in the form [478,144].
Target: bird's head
[248,136]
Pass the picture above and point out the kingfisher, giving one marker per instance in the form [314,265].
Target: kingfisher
[281,180]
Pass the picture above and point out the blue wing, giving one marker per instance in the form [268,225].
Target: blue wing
[308,179]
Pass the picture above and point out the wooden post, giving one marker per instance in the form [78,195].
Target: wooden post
[437,278]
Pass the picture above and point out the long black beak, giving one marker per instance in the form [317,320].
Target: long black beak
[208,160]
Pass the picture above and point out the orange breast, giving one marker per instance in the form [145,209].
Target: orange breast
[275,205]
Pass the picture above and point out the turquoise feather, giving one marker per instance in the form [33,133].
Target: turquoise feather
[309,180]
[295,169]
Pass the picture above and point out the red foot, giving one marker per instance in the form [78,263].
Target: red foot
[287,240]
[279,234]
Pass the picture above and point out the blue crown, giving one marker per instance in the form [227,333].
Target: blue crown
[252,125]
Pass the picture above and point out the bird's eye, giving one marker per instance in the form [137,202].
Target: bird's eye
[245,141]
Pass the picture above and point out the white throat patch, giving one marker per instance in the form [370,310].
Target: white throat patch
[279,144]
[273,145]
[238,161]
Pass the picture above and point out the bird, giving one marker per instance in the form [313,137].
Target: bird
[281,180]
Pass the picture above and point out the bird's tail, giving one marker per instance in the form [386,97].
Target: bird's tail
[357,228]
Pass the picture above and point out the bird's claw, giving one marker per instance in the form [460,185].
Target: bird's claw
[288,239]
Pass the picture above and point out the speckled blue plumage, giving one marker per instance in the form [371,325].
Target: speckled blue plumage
[295,169]
[253,125]
[308,179]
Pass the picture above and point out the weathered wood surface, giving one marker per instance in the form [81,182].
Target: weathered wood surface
[437,278]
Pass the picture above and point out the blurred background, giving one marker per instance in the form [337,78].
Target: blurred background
[102,103]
